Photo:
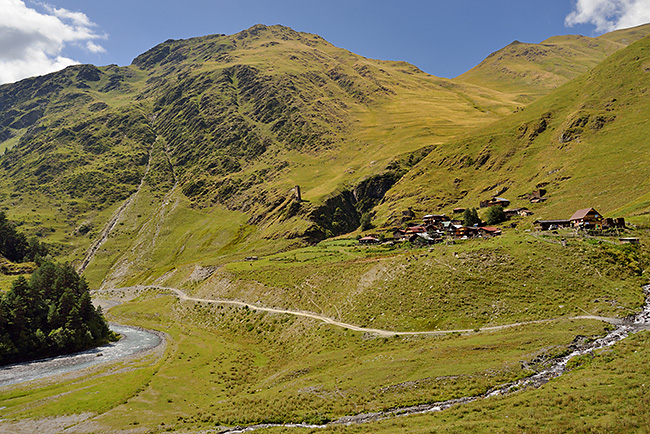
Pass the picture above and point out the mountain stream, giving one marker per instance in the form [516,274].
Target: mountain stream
[639,322]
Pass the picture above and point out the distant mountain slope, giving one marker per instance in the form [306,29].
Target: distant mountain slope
[69,141]
[531,70]
[585,143]
[236,121]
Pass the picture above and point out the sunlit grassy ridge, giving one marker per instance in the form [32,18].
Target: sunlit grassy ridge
[584,143]
[530,70]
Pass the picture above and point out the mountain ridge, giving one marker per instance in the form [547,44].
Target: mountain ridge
[532,70]
[562,142]
[236,123]
[228,114]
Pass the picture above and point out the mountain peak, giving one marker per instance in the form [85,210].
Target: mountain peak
[202,47]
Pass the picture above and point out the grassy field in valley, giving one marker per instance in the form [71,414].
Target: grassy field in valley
[259,367]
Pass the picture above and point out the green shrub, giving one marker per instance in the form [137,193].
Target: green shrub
[495,215]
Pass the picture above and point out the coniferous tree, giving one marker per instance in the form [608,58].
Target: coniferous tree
[50,314]
[470,217]
[16,247]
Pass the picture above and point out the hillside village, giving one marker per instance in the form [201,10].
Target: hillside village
[465,224]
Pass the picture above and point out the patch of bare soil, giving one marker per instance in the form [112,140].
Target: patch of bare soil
[50,425]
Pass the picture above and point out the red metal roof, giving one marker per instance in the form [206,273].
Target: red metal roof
[416,230]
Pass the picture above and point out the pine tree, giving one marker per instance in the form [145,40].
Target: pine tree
[50,314]
[470,217]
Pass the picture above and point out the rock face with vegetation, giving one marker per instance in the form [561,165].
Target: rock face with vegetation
[49,314]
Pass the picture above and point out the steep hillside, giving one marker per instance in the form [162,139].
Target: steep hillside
[531,70]
[232,122]
[271,104]
[585,143]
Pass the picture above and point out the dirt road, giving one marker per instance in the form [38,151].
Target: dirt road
[387,333]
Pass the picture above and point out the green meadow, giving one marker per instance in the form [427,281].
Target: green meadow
[263,367]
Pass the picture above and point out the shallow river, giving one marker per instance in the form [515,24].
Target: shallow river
[133,341]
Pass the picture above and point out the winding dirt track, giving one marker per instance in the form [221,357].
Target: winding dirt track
[183,296]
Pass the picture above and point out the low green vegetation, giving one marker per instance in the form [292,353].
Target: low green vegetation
[49,314]
[263,367]
[495,215]
[15,246]
[603,392]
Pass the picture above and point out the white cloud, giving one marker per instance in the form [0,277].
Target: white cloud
[31,41]
[608,15]
[94,48]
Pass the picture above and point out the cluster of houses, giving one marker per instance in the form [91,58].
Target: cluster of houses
[587,219]
[435,227]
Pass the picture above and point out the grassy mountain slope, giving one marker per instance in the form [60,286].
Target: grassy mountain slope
[232,122]
[584,143]
[218,129]
[531,70]
[272,104]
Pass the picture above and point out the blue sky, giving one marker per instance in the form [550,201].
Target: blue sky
[443,38]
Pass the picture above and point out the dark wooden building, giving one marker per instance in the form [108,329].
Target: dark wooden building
[545,225]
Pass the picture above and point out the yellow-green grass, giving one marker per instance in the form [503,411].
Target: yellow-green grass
[606,392]
[53,220]
[603,166]
[403,81]
[477,283]
[226,366]
[7,281]
[158,235]
[86,391]
[528,71]
[415,110]
[9,143]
